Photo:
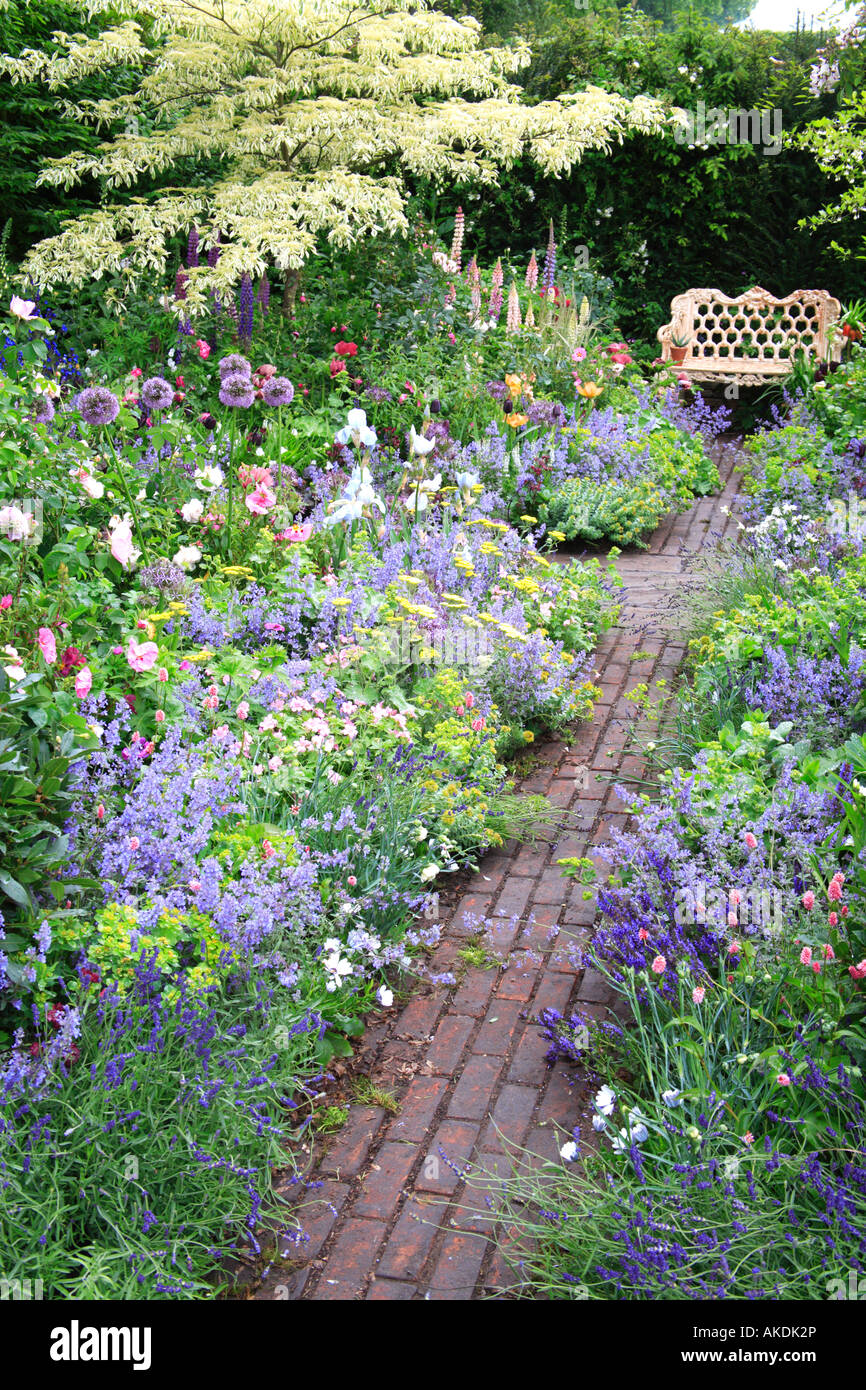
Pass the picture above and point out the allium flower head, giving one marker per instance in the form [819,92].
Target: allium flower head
[237,391]
[234,365]
[278,391]
[42,412]
[156,393]
[97,405]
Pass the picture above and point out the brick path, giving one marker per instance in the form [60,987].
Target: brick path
[396,1216]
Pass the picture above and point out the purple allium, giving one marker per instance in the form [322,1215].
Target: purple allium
[278,391]
[43,410]
[246,307]
[237,391]
[164,576]
[192,248]
[156,393]
[97,405]
[234,365]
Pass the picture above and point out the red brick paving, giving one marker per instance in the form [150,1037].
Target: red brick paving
[397,1217]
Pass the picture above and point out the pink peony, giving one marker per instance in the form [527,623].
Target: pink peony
[261,500]
[47,645]
[142,656]
[83,682]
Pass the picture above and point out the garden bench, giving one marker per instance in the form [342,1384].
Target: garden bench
[752,338]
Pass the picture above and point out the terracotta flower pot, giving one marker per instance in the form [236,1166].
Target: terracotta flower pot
[678,355]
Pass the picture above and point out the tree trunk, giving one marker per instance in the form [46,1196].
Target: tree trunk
[290,290]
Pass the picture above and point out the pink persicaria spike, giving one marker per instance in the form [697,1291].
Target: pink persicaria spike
[513,317]
[498,276]
[457,239]
[532,273]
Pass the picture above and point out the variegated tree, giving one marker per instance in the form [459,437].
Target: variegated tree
[314,109]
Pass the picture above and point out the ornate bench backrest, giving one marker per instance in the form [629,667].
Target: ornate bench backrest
[752,332]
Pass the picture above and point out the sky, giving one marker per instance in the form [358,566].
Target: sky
[782,14]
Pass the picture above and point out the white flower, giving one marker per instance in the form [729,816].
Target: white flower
[416,501]
[187,557]
[569,1151]
[429,872]
[672,1098]
[431,484]
[345,510]
[357,430]
[467,480]
[331,945]
[193,510]
[419,444]
[208,478]
[599,1123]
[385,996]
[604,1100]
[337,968]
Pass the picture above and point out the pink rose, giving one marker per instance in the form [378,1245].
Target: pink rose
[142,656]
[122,547]
[204,349]
[83,682]
[47,645]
